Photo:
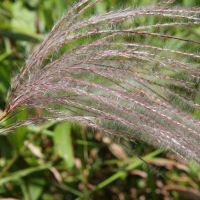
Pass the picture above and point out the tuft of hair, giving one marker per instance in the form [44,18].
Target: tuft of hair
[123,73]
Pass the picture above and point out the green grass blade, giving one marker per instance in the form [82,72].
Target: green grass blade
[20,36]
[63,143]
[35,188]
[120,174]
[69,189]
[22,173]
[24,189]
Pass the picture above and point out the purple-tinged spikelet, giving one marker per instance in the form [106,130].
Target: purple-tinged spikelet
[87,71]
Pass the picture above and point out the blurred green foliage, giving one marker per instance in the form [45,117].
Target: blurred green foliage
[68,160]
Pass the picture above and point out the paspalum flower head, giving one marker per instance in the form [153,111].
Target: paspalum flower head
[87,71]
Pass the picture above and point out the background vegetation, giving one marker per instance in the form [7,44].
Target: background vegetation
[71,161]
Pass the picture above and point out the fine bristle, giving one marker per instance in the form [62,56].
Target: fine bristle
[106,74]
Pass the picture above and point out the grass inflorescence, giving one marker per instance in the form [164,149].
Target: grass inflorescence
[105,73]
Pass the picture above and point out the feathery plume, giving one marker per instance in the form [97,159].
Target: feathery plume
[87,71]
